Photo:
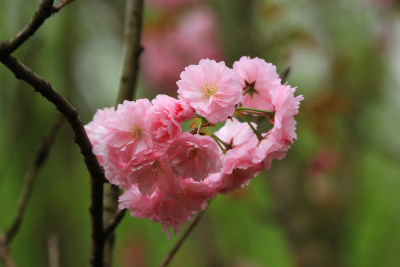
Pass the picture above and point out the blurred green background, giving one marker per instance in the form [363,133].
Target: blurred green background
[333,201]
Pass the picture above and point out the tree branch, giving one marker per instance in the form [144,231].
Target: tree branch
[178,244]
[132,50]
[285,74]
[5,256]
[42,86]
[114,223]
[38,161]
[43,12]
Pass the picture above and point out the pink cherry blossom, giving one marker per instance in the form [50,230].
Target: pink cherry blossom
[183,111]
[257,78]
[268,150]
[97,131]
[286,107]
[169,175]
[171,209]
[161,121]
[128,138]
[194,156]
[152,173]
[238,167]
[211,88]
[140,206]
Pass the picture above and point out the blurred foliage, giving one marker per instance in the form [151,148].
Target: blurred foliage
[331,202]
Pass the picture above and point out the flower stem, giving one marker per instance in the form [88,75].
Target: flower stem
[218,143]
[259,136]
[252,110]
[200,125]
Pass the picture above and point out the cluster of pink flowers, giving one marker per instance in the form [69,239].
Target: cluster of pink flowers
[168,174]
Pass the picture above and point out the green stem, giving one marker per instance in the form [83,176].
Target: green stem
[218,143]
[200,125]
[256,110]
[259,136]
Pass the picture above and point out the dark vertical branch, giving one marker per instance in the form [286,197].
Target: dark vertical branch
[42,86]
[127,89]
[132,50]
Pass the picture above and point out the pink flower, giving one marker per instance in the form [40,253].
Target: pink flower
[194,156]
[161,121]
[97,130]
[237,175]
[257,78]
[139,205]
[128,138]
[238,166]
[286,107]
[268,150]
[151,173]
[276,142]
[183,111]
[171,209]
[211,88]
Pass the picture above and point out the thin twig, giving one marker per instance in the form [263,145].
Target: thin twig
[178,244]
[97,176]
[5,256]
[38,161]
[285,74]
[114,223]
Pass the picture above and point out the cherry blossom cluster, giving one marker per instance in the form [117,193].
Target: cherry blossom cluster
[169,174]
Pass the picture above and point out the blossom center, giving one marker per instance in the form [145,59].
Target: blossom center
[136,132]
[209,89]
[193,153]
[157,167]
[250,89]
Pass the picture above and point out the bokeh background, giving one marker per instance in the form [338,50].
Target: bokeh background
[333,201]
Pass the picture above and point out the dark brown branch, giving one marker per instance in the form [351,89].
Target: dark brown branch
[38,161]
[45,89]
[5,256]
[178,244]
[114,223]
[43,12]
